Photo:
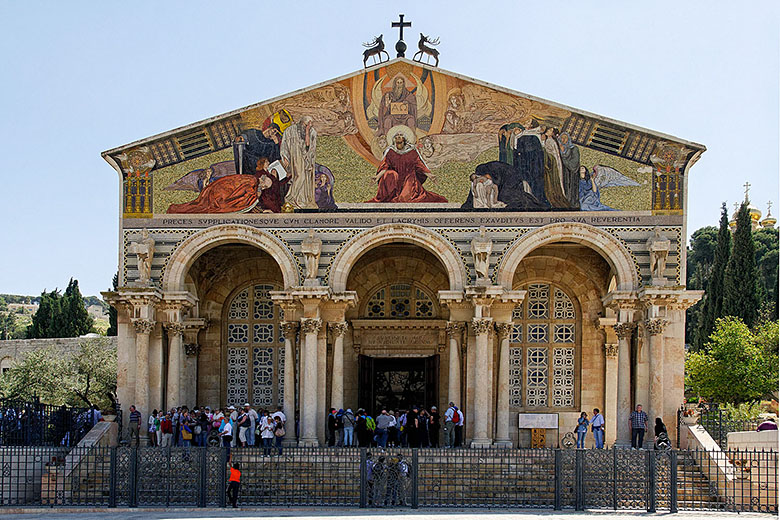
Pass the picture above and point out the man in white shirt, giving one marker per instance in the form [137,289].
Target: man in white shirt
[449,426]
[597,425]
[250,435]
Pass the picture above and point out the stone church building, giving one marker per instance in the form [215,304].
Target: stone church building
[406,235]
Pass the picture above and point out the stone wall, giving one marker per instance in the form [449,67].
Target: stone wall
[15,349]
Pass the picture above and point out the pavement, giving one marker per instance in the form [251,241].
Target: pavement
[356,514]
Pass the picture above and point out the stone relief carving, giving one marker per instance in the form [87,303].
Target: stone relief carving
[311,248]
[656,326]
[311,325]
[481,246]
[481,325]
[624,330]
[143,249]
[659,251]
[143,326]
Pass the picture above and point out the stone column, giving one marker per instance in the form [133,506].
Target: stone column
[308,424]
[289,329]
[624,331]
[337,377]
[143,328]
[482,387]
[655,329]
[454,333]
[175,365]
[611,393]
[502,402]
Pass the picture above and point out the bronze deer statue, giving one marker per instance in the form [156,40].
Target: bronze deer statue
[424,49]
[375,48]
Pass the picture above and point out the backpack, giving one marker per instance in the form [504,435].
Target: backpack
[459,416]
[370,423]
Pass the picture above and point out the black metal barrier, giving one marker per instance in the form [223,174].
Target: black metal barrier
[615,479]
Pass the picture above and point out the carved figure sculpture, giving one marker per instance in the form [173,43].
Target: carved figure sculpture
[311,247]
[659,250]
[144,251]
[481,246]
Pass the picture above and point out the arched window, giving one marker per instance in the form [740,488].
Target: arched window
[401,301]
[255,348]
[543,350]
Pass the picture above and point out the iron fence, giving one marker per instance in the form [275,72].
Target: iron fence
[32,423]
[719,424]
[615,479]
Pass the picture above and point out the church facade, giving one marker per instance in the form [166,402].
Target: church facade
[406,235]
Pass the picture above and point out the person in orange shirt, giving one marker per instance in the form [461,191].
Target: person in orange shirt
[234,484]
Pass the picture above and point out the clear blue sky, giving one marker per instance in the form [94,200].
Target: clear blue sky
[82,77]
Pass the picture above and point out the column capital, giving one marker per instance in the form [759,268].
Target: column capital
[454,328]
[175,328]
[143,326]
[481,325]
[655,326]
[311,325]
[338,328]
[289,328]
[610,350]
[624,329]
[504,329]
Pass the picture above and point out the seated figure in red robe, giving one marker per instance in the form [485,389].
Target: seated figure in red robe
[238,193]
[402,172]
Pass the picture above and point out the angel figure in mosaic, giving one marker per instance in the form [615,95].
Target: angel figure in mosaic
[591,184]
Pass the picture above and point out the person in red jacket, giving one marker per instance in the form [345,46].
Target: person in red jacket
[167,431]
[234,484]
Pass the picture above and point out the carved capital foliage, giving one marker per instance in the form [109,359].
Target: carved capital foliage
[338,329]
[624,330]
[454,328]
[143,326]
[192,349]
[311,325]
[174,328]
[289,328]
[610,350]
[656,326]
[481,325]
[504,330]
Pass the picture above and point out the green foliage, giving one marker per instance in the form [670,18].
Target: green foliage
[740,295]
[61,316]
[737,365]
[744,411]
[112,327]
[766,243]
[712,305]
[83,378]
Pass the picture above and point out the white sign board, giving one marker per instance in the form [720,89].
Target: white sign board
[538,420]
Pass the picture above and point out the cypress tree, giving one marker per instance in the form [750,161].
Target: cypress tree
[43,322]
[713,299]
[74,320]
[112,326]
[740,295]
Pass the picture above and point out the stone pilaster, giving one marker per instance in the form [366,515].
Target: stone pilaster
[655,330]
[504,331]
[143,328]
[481,327]
[289,329]
[624,332]
[338,329]
[175,365]
[455,336]
[310,328]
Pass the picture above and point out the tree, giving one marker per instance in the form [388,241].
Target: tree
[713,300]
[737,365]
[43,323]
[766,242]
[112,326]
[700,257]
[740,295]
[74,320]
[82,378]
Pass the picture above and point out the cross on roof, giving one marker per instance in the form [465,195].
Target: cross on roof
[747,189]
[768,208]
[400,47]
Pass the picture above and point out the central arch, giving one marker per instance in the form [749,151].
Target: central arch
[207,239]
[610,248]
[397,233]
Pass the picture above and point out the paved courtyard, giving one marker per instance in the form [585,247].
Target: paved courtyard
[354,514]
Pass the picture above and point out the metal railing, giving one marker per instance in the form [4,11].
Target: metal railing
[32,423]
[615,479]
[719,424]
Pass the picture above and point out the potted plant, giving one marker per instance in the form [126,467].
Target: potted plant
[690,416]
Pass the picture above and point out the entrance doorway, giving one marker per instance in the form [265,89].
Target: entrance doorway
[397,383]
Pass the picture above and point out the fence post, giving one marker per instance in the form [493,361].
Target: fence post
[651,481]
[614,478]
[415,480]
[673,481]
[112,478]
[363,478]
[133,484]
[203,487]
[222,493]
[579,492]
[720,428]
[557,500]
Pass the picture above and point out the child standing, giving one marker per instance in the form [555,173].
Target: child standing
[234,484]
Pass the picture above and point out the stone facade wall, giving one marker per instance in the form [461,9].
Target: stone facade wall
[15,349]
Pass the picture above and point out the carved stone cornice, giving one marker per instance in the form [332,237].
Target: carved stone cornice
[504,330]
[624,329]
[192,349]
[610,350]
[455,328]
[338,329]
[655,326]
[175,328]
[481,325]
[311,325]
[289,328]
[143,326]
